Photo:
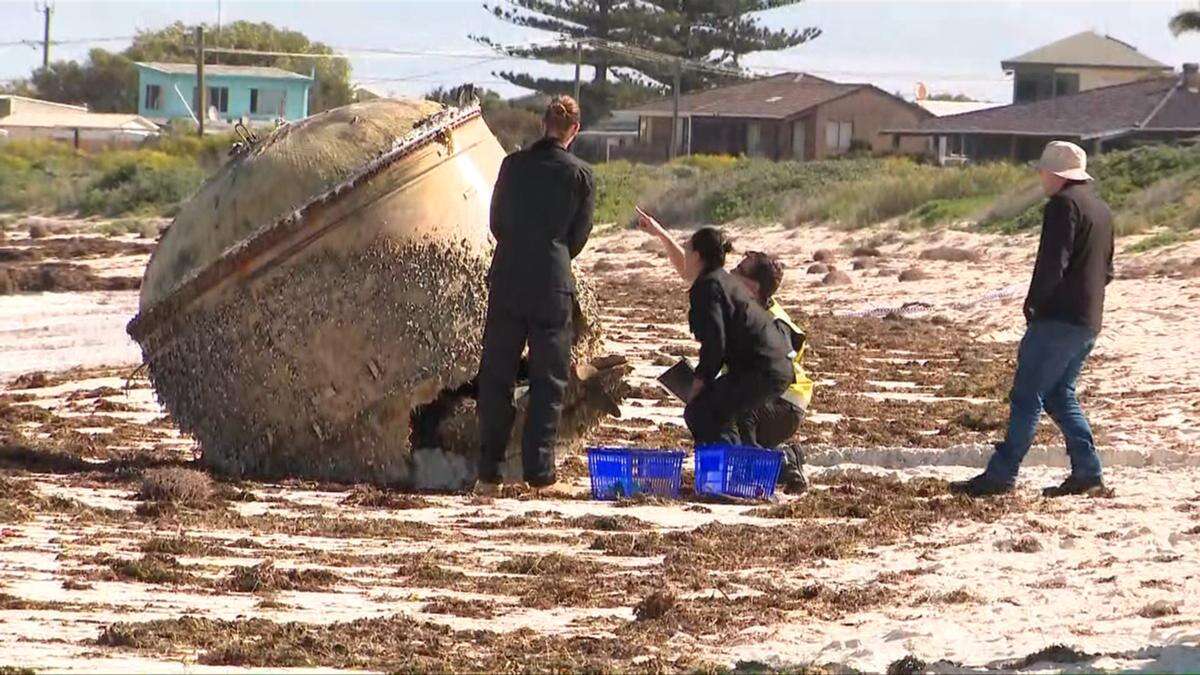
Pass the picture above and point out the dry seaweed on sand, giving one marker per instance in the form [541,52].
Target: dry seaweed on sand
[551,564]
[373,497]
[265,577]
[177,485]
[396,643]
[471,609]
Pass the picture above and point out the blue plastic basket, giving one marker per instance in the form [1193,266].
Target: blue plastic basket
[749,473]
[625,472]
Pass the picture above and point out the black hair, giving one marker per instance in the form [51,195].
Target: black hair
[712,244]
[765,270]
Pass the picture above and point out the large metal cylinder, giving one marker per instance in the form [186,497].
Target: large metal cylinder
[317,308]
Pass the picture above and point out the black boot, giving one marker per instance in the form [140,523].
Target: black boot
[791,474]
[1076,486]
[982,485]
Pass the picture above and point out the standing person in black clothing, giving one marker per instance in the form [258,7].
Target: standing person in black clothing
[541,218]
[736,334]
[1063,310]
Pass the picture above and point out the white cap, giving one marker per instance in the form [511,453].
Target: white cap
[1065,160]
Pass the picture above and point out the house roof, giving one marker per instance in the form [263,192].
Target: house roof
[73,119]
[1156,103]
[217,70]
[44,104]
[1086,49]
[777,97]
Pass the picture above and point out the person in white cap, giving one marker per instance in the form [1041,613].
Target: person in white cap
[1063,311]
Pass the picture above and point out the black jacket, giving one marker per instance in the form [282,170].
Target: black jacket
[735,331]
[1074,260]
[541,217]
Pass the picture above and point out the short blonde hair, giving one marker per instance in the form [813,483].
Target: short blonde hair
[561,114]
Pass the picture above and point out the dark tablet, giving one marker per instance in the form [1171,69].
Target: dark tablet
[678,380]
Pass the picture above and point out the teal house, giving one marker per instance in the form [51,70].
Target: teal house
[167,91]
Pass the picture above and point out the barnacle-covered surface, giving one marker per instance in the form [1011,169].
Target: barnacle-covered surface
[355,302]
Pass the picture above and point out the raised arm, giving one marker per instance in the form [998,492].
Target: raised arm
[675,252]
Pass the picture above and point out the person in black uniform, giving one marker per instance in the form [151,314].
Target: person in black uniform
[541,217]
[736,334]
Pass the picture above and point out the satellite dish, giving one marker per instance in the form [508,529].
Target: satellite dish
[922,91]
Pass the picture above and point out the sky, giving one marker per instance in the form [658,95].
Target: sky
[953,46]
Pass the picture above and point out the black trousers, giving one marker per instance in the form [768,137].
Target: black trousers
[546,327]
[778,421]
[727,411]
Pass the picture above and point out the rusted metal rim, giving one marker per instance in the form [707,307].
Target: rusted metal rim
[431,129]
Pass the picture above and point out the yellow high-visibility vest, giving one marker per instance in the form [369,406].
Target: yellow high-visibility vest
[801,391]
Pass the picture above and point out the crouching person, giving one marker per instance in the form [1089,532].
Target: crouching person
[780,418]
[737,335]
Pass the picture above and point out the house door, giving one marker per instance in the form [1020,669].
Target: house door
[799,135]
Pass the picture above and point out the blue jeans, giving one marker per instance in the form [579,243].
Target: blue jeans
[1049,360]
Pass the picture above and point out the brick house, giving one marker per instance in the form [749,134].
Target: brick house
[788,116]
[1160,109]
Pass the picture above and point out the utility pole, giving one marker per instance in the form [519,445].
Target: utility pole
[46,9]
[578,66]
[675,109]
[201,91]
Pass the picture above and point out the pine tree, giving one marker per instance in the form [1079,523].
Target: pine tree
[615,20]
[716,32]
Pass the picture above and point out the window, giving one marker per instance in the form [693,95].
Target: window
[153,97]
[838,135]
[268,102]
[218,98]
[799,136]
[1066,84]
[754,139]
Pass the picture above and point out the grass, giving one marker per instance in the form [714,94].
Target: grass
[1161,240]
[714,190]
[1146,187]
[53,178]
[898,187]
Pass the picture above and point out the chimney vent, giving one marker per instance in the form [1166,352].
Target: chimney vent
[1191,77]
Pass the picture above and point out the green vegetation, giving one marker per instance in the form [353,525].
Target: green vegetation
[852,192]
[51,177]
[900,186]
[705,189]
[1151,189]
[1161,240]
[1147,187]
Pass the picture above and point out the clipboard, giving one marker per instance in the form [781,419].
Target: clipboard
[678,380]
